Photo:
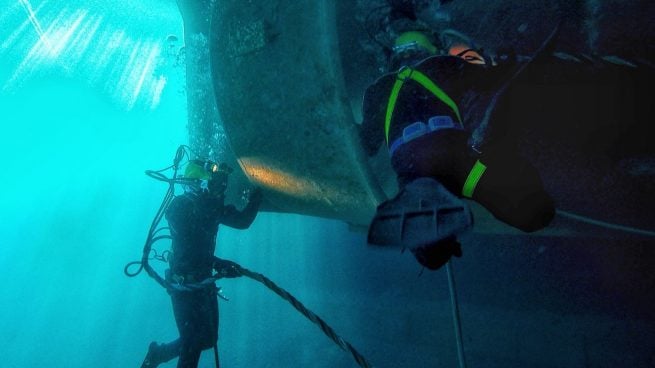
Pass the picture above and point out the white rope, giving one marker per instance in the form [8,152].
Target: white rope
[456,320]
[608,225]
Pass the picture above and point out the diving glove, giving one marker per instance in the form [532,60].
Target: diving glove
[435,255]
[225,268]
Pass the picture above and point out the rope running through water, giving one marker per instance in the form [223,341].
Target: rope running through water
[327,330]
[456,319]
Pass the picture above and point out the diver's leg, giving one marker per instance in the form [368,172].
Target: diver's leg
[440,155]
[185,308]
[511,189]
[160,353]
[189,356]
[196,314]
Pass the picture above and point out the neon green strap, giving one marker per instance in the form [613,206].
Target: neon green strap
[424,81]
[472,180]
[391,105]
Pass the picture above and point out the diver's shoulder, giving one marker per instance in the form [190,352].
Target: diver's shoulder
[185,200]
[384,79]
[381,86]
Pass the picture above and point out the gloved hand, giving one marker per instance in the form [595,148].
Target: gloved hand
[433,256]
[227,269]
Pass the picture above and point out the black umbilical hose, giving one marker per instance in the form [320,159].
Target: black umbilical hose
[327,330]
[153,238]
[168,198]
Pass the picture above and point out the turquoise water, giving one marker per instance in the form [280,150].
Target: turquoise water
[92,94]
[84,113]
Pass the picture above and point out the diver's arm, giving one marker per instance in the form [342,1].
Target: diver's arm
[242,219]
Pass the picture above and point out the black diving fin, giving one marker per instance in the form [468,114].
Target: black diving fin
[424,212]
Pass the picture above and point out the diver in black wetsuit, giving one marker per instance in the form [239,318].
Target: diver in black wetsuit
[193,218]
[426,112]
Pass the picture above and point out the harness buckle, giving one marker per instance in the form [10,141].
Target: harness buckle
[404,73]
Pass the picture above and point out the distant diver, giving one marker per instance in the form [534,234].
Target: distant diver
[194,218]
[427,111]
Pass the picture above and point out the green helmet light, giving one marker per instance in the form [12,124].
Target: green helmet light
[203,170]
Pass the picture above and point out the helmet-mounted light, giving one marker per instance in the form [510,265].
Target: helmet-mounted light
[211,167]
[205,169]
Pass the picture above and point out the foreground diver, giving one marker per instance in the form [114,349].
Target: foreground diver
[193,219]
[426,111]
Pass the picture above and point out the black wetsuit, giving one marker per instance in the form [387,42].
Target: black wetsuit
[510,188]
[194,219]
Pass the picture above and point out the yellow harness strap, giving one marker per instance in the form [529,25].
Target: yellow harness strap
[409,73]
